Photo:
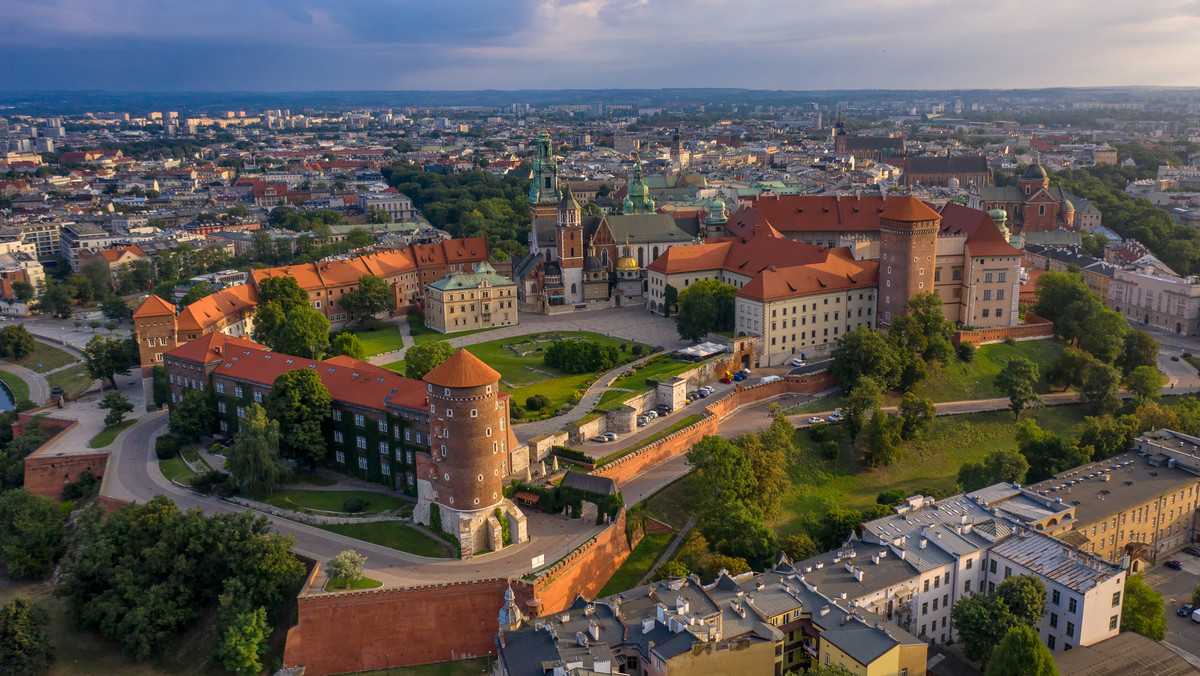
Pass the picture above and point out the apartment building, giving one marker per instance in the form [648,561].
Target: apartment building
[45,235]
[1146,295]
[78,240]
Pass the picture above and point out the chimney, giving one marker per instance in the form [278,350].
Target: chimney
[858,574]
[647,625]
[924,542]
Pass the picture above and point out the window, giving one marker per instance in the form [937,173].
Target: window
[992,568]
[1071,605]
[361,442]
[937,582]
[926,585]
[1054,595]
[987,294]
[241,412]
[220,386]
[385,469]
[1071,629]
[221,406]
[1116,599]
[986,313]
[1112,623]
[407,434]
[1053,620]
[258,397]
[237,391]
[1050,642]
[946,579]
[384,448]
[362,463]
[383,426]
[358,420]
[1007,572]
[337,415]
[340,457]
[925,608]
[1002,276]
[999,294]
[935,604]
[337,436]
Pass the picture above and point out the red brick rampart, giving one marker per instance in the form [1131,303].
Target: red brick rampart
[1033,328]
[45,470]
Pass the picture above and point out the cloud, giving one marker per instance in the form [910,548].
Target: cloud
[470,44]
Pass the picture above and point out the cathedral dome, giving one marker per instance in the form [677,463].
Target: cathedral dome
[998,215]
[591,263]
[1034,172]
[627,263]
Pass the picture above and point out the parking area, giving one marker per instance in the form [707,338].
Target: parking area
[600,449]
[1176,587]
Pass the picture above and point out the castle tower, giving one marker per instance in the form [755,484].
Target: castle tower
[543,188]
[571,247]
[907,248]
[469,448]
[154,329]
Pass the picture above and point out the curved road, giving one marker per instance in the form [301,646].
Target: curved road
[39,389]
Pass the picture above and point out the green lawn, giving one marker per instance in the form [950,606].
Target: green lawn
[314,480]
[193,457]
[394,534]
[383,339]
[423,334]
[612,400]
[18,387]
[958,381]
[676,426]
[637,565]
[819,485]
[44,358]
[526,376]
[472,667]
[332,501]
[74,381]
[175,469]
[110,434]
[659,368]
[364,583]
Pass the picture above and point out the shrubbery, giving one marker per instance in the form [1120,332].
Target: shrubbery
[213,480]
[580,356]
[355,504]
[166,447]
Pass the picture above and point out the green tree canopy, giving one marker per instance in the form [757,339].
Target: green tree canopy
[346,567]
[1047,453]
[106,357]
[245,642]
[1142,610]
[1100,386]
[31,534]
[1065,297]
[864,398]
[303,333]
[1016,380]
[301,403]
[1025,597]
[25,648]
[1138,348]
[1145,381]
[193,417]
[882,435]
[866,353]
[1003,465]
[347,344]
[704,307]
[201,290]
[917,413]
[254,460]
[724,469]
[371,298]
[16,342]
[1022,653]
[424,357]
[117,406]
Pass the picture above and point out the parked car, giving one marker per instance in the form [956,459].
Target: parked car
[745,372]
[797,362]
[739,377]
[601,438]
[836,415]
[769,379]
[1196,615]
[610,436]
[1174,565]
[702,394]
[688,400]
[1174,357]
[726,380]
[642,422]
[814,420]
[664,409]
[1191,550]
[652,414]
[1185,610]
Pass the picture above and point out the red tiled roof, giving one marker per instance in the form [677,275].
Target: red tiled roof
[210,347]
[839,272]
[983,235]
[462,369]
[817,213]
[746,257]
[208,310]
[909,209]
[154,307]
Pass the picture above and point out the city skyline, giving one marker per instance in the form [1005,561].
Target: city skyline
[472,44]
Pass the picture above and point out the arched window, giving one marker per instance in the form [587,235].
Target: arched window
[655,256]
[572,288]
[641,257]
[604,257]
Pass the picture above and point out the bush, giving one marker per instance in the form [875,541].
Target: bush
[1010,341]
[537,402]
[966,352]
[210,480]
[624,347]
[816,432]
[636,350]
[354,505]
[832,449]
[81,487]
[578,356]
[166,447]
[517,413]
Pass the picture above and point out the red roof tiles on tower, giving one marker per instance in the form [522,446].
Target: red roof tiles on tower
[462,369]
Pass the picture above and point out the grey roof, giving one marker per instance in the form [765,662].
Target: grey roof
[646,228]
[582,635]
[591,483]
[484,274]
[940,164]
[1056,561]
[831,576]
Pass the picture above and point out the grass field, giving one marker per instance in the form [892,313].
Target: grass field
[383,339]
[44,358]
[472,667]
[314,480]
[526,376]
[175,469]
[659,368]
[79,653]
[423,334]
[18,387]
[332,501]
[392,534]
[958,381]
[637,565]
[74,381]
[364,583]
[109,434]
[612,400]
[819,485]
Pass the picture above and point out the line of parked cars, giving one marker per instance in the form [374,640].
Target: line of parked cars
[735,378]
[605,438]
[662,410]
[833,417]
[699,394]
[1186,609]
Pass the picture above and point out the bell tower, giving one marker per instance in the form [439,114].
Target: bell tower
[543,187]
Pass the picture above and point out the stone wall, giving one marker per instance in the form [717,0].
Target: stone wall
[540,447]
[46,474]
[1034,328]
[589,429]
[624,468]
[584,571]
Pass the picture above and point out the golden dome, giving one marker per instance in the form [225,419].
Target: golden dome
[626,263]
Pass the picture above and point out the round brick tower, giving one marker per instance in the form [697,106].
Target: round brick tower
[468,447]
[908,232]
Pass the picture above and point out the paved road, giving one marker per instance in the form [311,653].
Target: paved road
[39,389]
[1183,636]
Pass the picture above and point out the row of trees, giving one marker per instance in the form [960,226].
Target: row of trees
[580,356]
[898,359]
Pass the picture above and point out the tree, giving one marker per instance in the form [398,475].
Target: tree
[1142,610]
[864,398]
[1069,369]
[160,385]
[371,298]
[670,299]
[1065,297]
[253,460]
[1137,349]
[115,309]
[982,621]
[724,470]
[262,246]
[799,547]
[704,307]
[281,295]
[732,565]
[424,357]
[579,356]
[192,418]
[924,332]
[768,470]
[737,530]
[201,290]
[16,342]
[917,414]
[1145,381]
[25,648]
[1103,334]
[100,276]
[23,290]
[883,439]
[58,300]
[300,403]
[1016,380]
[1022,653]
[346,567]
[865,353]
[1025,597]
[303,333]
[117,406]
[245,642]
[1047,453]
[31,534]
[1005,465]
[1101,383]
[106,357]
[347,344]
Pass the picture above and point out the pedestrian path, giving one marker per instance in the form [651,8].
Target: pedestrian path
[666,556]
[591,399]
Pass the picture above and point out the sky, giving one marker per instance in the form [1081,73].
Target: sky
[305,45]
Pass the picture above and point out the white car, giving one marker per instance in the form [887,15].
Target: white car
[814,420]
[797,362]
[835,416]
